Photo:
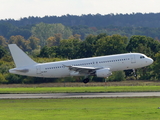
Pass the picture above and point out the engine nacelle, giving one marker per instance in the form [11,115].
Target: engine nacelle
[103,72]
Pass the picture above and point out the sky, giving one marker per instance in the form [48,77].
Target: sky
[16,9]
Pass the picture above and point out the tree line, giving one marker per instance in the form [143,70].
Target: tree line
[73,48]
[44,30]
[90,20]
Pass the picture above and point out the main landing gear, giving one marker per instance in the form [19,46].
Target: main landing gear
[134,72]
[86,80]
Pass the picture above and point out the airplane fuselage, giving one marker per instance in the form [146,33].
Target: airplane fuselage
[60,69]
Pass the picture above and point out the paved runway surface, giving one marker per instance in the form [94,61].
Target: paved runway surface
[81,95]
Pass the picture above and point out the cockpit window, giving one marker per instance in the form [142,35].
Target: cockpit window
[141,57]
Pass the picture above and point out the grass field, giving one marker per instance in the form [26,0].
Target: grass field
[78,109]
[81,84]
[99,89]
[123,86]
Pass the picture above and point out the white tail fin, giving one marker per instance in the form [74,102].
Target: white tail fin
[20,58]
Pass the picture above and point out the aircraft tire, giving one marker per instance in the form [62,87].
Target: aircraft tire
[86,80]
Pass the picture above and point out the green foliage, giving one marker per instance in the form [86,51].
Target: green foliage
[43,60]
[156,67]
[6,28]
[35,52]
[5,66]
[143,44]
[83,88]
[111,45]
[137,24]
[45,52]
[3,41]
[117,76]
[31,80]
[43,31]
[3,52]
[80,109]
[7,59]
[13,79]
[2,79]
[33,42]
[86,48]
[69,48]
[20,41]
[58,49]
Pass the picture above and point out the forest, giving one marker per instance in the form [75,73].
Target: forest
[147,24]
[46,40]
[98,20]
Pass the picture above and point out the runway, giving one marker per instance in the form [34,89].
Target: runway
[80,95]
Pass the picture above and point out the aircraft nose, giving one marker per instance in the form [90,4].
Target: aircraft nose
[150,60]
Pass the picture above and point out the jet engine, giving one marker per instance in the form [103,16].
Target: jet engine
[103,72]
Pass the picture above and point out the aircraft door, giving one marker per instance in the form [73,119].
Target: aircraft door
[133,59]
[38,70]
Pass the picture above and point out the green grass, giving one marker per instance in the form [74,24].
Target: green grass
[80,89]
[80,109]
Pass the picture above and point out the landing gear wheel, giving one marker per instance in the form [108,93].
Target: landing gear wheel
[134,72]
[86,80]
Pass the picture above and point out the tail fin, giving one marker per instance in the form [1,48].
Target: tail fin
[20,58]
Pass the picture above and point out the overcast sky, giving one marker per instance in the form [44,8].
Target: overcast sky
[17,9]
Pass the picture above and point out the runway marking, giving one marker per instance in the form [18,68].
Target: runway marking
[80,95]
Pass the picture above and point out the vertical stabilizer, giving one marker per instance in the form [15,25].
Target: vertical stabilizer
[20,58]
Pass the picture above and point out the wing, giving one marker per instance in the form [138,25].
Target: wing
[83,70]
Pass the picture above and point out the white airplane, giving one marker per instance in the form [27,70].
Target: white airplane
[95,66]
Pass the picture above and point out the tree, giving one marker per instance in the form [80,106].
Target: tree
[108,45]
[51,41]
[156,67]
[58,38]
[20,41]
[12,78]
[45,52]
[143,44]
[69,48]
[33,42]
[43,31]
[26,33]
[87,47]
[3,52]
[6,28]
[2,79]
[3,41]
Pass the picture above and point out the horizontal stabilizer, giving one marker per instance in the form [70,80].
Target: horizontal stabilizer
[18,70]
